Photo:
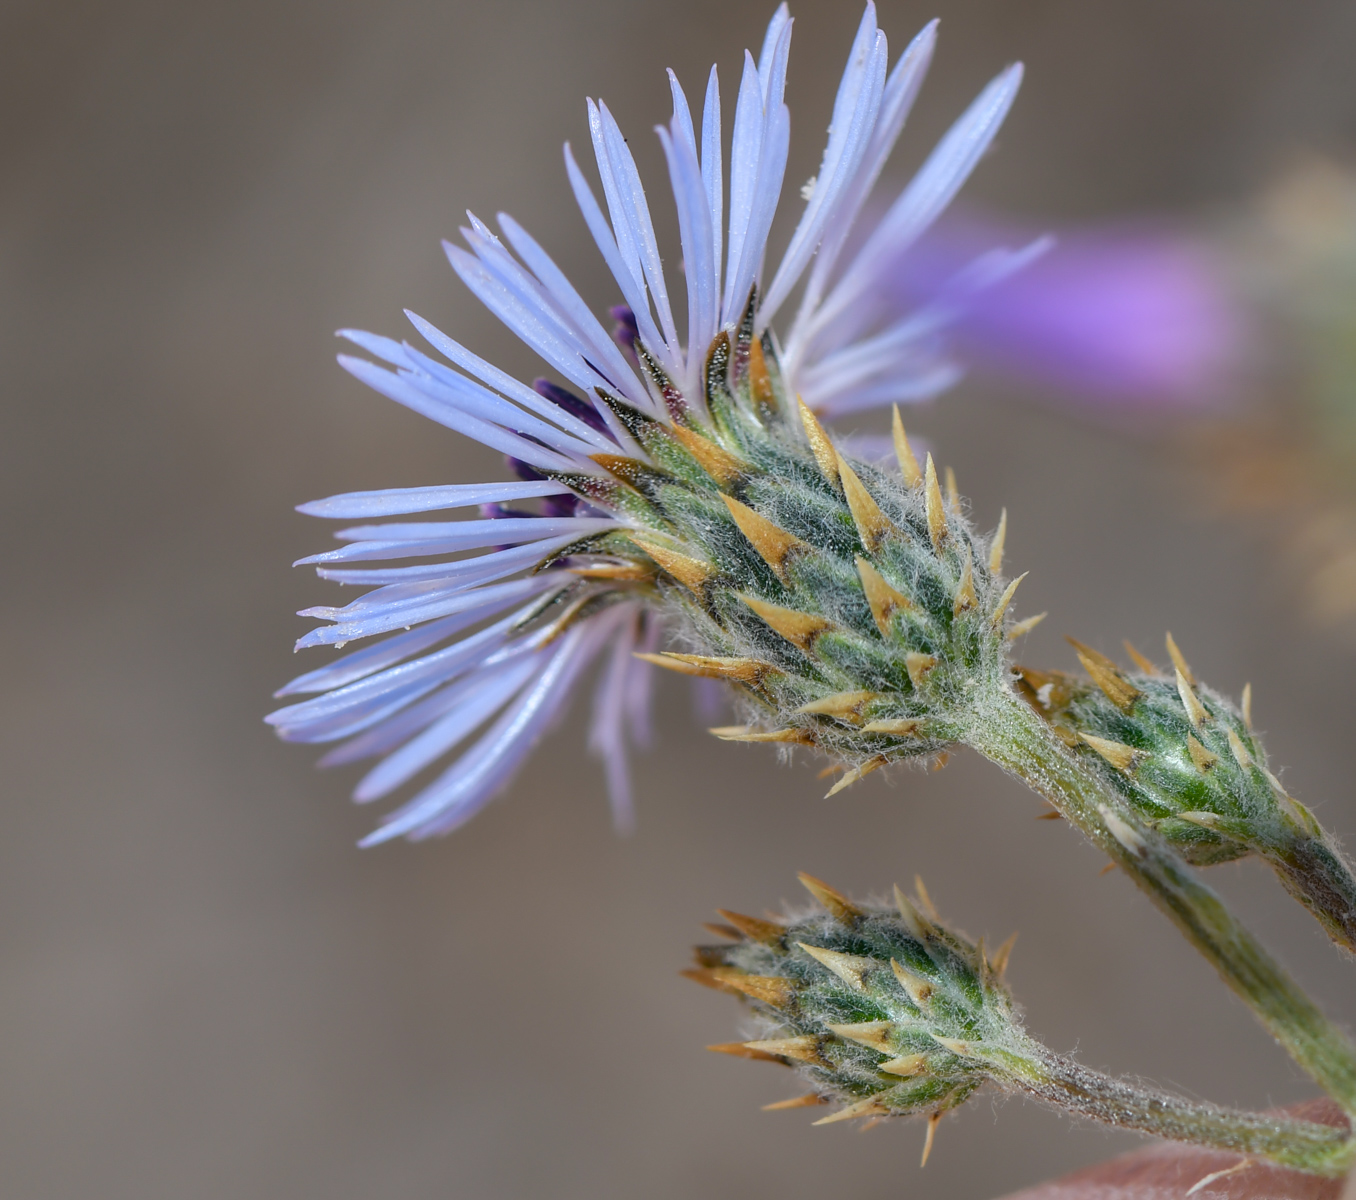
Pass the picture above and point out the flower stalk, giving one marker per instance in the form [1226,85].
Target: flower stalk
[1022,743]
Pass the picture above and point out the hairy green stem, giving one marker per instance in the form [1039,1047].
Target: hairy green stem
[1010,734]
[1316,874]
[1071,1087]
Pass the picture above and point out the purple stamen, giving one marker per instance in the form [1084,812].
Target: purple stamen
[522,470]
[571,403]
[627,332]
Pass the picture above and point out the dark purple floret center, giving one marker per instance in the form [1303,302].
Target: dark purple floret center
[572,404]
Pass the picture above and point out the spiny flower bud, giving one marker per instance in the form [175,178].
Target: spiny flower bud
[883,1010]
[887,1012]
[854,606]
[1188,761]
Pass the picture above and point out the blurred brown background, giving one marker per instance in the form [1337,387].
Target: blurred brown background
[205,989]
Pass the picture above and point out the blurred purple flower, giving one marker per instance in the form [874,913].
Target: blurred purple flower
[1134,316]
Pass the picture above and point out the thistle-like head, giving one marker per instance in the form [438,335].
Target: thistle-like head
[883,1010]
[852,605]
[1182,755]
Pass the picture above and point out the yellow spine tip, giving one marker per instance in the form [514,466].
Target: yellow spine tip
[820,445]
[936,514]
[908,464]
[1000,538]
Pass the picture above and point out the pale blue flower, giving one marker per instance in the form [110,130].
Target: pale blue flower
[412,698]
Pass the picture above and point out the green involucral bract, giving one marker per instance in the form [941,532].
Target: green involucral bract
[887,1012]
[854,612]
[1188,762]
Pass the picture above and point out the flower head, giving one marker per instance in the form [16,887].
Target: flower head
[652,435]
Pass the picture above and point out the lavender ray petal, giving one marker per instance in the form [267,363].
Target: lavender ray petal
[403,392]
[854,117]
[481,701]
[930,191]
[392,502]
[440,666]
[463,571]
[635,212]
[632,291]
[415,614]
[469,783]
[712,176]
[901,89]
[605,353]
[745,153]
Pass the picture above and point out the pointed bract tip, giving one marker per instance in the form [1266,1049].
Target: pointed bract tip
[919,666]
[1138,659]
[883,599]
[1206,820]
[755,928]
[878,1035]
[745,733]
[857,774]
[1238,750]
[807,1101]
[1178,661]
[846,706]
[1107,676]
[1125,833]
[715,460]
[903,727]
[1246,704]
[703,976]
[803,1049]
[1025,626]
[919,990]
[863,1108]
[906,1065]
[741,1050]
[1001,608]
[850,968]
[913,920]
[820,445]
[965,598]
[999,962]
[742,670]
[773,544]
[760,379]
[839,906]
[908,464]
[1118,754]
[952,492]
[1195,710]
[799,628]
[873,526]
[924,898]
[932,498]
[1000,538]
[1205,760]
[927,1141]
[770,989]
[687,571]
